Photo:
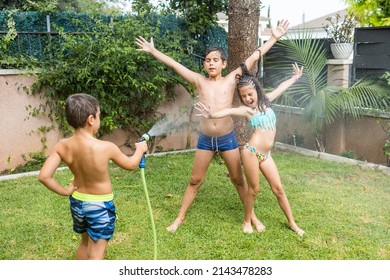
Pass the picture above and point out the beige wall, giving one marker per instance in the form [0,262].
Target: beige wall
[18,132]
[289,122]
[365,136]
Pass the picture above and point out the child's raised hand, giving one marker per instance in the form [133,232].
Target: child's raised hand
[297,72]
[281,29]
[145,45]
[205,111]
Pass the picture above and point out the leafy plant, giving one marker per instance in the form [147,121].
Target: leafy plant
[340,30]
[33,162]
[6,40]
[105,63]
[11,33]
[198,15]
[294,139]
[348,154]
[386,148]
[323,103]
[371,12]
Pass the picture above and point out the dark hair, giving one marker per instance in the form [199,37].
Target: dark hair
[247,79]
[79,107]
[216,49]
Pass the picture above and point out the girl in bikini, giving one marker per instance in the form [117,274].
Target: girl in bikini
[256,154]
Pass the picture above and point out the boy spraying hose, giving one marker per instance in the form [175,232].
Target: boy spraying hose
[90,195]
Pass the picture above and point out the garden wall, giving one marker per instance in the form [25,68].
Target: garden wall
[364,137]
[19,133]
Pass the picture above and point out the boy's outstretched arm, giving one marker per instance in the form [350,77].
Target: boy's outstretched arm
[125,162]
[297,73]
[183,71]
[277,32]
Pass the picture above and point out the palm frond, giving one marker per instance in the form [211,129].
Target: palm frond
[310,54]
[364,94]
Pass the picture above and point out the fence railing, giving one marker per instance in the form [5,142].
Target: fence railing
[39,44]
[31,43]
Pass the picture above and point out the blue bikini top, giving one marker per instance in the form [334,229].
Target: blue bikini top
[265,120]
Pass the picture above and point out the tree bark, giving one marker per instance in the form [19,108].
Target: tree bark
[243,37]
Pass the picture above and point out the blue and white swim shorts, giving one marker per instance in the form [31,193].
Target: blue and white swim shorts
[94,214]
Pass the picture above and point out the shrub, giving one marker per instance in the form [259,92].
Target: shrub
[105,63]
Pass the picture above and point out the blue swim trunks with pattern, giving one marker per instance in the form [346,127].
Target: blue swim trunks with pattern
[97,218]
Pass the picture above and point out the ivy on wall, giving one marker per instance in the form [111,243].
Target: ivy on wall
[101,59]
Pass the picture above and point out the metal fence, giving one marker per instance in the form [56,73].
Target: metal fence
[35,44]
[371,52]
[38,44]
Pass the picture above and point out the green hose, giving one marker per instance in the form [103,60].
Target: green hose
[150,213]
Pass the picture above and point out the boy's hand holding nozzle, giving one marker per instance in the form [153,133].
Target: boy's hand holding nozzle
[142,144]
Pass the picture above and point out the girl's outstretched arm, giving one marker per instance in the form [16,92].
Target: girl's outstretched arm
[297,73]
[180,69]
[206,112]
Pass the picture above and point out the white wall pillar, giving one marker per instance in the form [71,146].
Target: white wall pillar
[339,72]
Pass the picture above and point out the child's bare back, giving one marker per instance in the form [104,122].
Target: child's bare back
[87,158]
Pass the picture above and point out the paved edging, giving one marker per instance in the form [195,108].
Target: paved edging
[326,156]
[19,175]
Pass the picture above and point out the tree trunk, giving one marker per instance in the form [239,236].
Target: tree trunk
[242,41]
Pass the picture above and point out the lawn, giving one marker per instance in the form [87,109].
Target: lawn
[343,209]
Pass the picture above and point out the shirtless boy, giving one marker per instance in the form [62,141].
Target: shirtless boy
[90,195]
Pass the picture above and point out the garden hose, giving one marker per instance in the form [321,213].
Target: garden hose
[142,166]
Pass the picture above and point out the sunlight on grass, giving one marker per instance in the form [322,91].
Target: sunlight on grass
[343,209]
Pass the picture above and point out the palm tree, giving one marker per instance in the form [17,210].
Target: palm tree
[323,103]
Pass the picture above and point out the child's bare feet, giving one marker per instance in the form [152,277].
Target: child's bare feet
[247,228]
[297,230]
[259,226]
[175,225]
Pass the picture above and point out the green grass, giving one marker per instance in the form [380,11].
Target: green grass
[343,209]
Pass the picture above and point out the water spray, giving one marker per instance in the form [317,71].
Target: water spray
[142,165]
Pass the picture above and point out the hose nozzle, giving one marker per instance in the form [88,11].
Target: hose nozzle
[144,137]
